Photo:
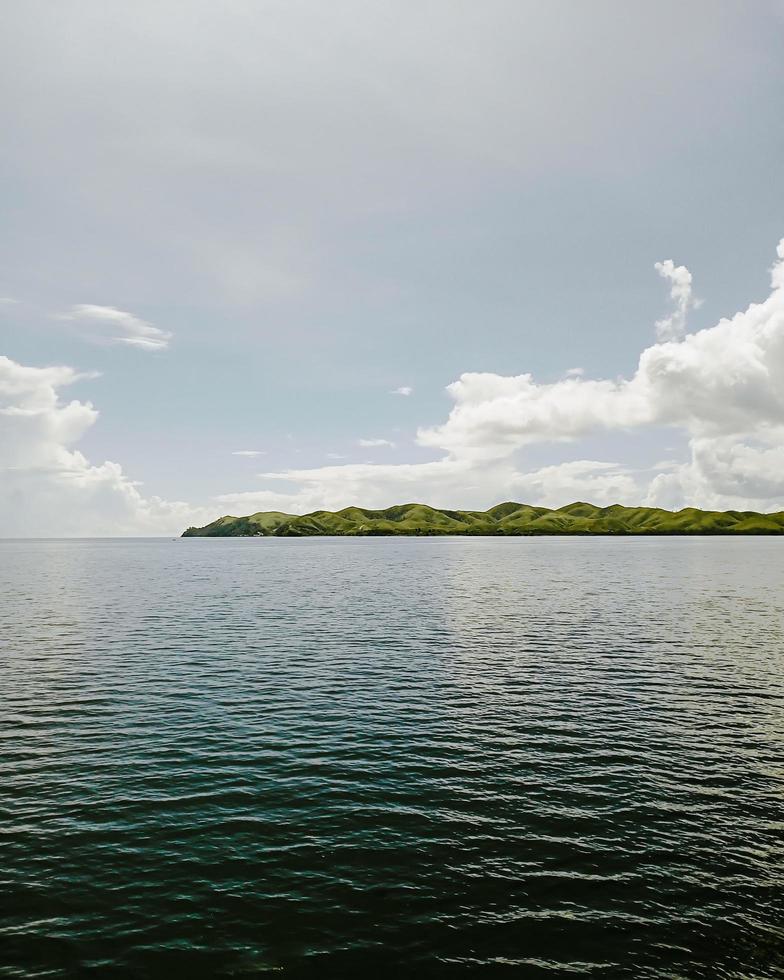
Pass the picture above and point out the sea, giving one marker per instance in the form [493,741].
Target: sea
[392,757]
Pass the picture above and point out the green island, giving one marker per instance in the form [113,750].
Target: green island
[504,519]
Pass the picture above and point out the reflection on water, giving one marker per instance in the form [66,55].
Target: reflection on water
[433,757]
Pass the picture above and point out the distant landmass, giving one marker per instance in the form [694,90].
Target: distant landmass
[505,519]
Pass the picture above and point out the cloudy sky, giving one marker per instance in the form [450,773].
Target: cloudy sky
[288,255]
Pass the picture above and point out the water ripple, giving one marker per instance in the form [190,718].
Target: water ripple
[426,758]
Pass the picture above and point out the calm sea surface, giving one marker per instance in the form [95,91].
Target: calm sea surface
[392,758]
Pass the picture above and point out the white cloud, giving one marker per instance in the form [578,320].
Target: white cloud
[582,479]
[375,443]
[442,483]
[722,386]
[249,452]
[367,484]
[405,390]
[121,327]
[728,379]
[574,372]
[673,327]
[726,473]
[49,488]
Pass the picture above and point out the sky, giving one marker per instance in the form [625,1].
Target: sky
[286,255]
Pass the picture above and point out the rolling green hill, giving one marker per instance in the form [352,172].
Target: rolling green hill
[503,519]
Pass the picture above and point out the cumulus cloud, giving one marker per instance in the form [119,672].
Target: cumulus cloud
[726,473]
[375,443]
[405,390]
[673,327]
[723,386]
[117,326]
[249,452]
[582,479]
[49,488]
[728,379]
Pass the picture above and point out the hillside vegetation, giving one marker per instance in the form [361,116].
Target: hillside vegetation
[503,519]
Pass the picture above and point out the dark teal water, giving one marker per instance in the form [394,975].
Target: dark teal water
[392,758]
